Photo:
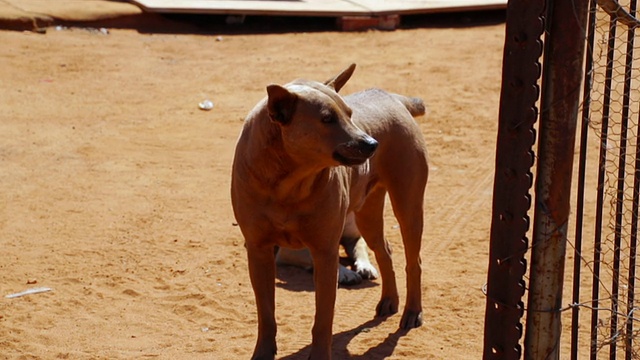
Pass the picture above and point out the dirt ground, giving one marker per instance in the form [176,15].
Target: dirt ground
[115,188]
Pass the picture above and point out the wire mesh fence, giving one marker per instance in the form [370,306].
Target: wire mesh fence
[604,272]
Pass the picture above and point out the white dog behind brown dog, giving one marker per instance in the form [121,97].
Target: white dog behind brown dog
[355,248]
[306,160]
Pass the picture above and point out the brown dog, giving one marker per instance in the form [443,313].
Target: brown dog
[303,162]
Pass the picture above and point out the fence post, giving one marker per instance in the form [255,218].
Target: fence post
[561,80]
[513,180]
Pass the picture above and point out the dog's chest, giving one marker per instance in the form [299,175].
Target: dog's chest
[319,215]
[292,227]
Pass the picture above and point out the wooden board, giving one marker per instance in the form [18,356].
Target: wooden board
[316,7]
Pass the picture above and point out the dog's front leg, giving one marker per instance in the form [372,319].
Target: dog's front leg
[262,271]
[325,277]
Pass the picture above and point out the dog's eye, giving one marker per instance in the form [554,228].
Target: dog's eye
[329,119]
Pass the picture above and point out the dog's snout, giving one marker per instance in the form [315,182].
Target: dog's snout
[369,145]
[356,151]
[365,146]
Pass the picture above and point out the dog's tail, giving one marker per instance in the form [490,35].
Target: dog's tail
[415,105]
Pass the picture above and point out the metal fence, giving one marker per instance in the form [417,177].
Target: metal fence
[605,246]
[589,80]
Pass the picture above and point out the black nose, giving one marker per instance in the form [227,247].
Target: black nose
[368,145]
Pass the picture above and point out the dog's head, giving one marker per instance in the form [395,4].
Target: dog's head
[316,123]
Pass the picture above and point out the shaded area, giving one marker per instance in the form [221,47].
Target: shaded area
[224,24]
[341,340]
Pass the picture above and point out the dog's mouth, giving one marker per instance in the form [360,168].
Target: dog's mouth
[355,152]
[343,160]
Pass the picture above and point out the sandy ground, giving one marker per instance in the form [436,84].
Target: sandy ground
[115,189]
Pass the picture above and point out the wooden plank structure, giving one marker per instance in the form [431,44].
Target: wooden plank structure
[349,12]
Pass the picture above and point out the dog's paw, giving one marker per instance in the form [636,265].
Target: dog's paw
[411,319]
[348,277]
[366,270]
[387,307]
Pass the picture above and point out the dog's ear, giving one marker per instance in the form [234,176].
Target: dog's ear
[280,103]
[338,81]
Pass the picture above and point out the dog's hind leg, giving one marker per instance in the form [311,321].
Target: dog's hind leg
[262,271]
[370,223]
[407,198]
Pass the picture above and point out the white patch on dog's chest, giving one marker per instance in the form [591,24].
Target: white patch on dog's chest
[364,170]
[361,176]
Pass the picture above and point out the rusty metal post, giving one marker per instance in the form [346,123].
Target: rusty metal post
[513,180]
[561,80]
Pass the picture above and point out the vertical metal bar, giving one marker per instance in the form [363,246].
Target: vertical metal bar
[562,77]
[617,239]
[513,179]
[632,252]
[584,133]
[632,261]
[636,189]
[633,249]
[597,249]
[597,241]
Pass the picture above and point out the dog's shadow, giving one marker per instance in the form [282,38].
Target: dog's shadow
[341,340]
[297,279]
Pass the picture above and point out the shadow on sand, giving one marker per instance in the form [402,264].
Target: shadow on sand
[296,279]
[341,341]
[219,24]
